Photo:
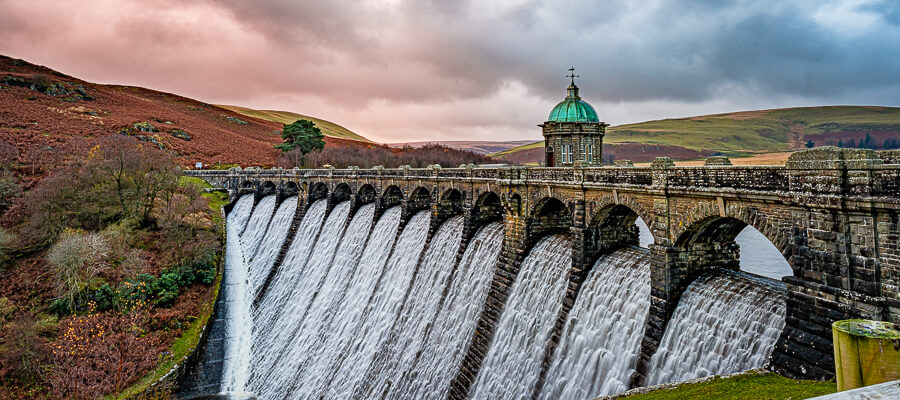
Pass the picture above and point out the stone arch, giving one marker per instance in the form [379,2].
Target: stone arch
[450,204]
[340,193]
[549,215]
[245,186]
[703,213]
[392,196]
[366,194]
[419,199]
[290,188]
[488,208]
[613,227]
[317,191]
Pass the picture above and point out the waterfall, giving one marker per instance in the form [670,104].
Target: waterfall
[445,346]
[405,341]
[276,346]
[313,327]
[348,313]
[383,307]
[237,293]
[601,340]
[262,260]
[513,361]
[726,322]
[253,233]
[269,313]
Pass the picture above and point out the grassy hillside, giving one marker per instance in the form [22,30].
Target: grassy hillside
[286,117]
[759,131]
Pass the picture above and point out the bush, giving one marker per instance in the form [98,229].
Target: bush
[9,189]
[76,259]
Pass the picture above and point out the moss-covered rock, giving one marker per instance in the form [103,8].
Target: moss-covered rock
[145,127]
[178,133]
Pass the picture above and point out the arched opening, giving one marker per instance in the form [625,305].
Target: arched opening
[341,192]
[450,204]
[366,194]
[289,189]
[319,190]
[549,216]
[420,199]
[613,227]
[741,246]
[392,196]
[487,208]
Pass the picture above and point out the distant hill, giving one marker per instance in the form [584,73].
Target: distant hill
[743,133]
[46,115]
[478,146]
[286,117]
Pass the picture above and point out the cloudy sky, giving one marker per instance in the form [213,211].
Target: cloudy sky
[409,70]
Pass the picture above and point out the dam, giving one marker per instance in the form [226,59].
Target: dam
[532,282]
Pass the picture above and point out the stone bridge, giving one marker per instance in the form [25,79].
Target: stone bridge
[833,213]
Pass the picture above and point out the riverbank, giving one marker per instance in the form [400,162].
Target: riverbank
[750,385]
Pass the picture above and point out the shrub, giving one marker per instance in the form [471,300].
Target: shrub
[9,189]
[76,259]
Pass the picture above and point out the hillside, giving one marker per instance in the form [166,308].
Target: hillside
[477,146]
[743,133]
[329,128]
[47,114]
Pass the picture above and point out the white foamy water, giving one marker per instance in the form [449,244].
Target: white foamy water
[384,307]
[513,363]
[272,354]
[447,341]
[237,292]
[601,340]
[313,329]
[351,311]
[406,338]
[267,251]
[253,233]
[726,322]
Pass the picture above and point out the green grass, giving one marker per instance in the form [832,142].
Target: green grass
[750,386]
[758,131]
[286,117]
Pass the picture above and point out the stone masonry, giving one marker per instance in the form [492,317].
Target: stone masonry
[833,214]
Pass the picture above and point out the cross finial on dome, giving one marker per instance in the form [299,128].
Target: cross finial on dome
[572,74]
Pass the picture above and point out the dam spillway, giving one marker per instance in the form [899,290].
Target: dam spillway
[365,307]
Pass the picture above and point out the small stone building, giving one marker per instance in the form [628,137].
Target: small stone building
[573,134]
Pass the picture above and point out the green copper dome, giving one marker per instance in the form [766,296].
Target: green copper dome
[573,109]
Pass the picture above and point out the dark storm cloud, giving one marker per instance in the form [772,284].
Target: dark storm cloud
[445,68]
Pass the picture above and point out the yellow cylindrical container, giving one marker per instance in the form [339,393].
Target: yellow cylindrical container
[865,353]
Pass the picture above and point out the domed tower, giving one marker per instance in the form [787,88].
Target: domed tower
[573,133]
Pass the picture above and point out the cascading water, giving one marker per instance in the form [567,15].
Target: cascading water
[313,328]
[726,322]
[320,366]
[601,340]
[268,314]
[237,293]
[240,323]
[261,261]
[398,353]
[445,346]
[384,307]
[273,348]
[513,362]
[255,230]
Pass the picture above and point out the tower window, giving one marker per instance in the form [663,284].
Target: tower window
[590,153]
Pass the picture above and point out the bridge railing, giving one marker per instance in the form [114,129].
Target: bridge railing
[757,178]
[619,176]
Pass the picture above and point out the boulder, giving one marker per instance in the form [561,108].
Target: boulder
[178,133]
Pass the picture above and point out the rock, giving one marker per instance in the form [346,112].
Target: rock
[145,127]
[178,133]
[235,120]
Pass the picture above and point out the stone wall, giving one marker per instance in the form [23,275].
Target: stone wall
[833,214]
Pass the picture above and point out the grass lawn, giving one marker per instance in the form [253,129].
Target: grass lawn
[750,386]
